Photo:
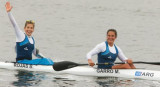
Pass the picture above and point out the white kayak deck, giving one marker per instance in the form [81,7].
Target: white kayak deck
[87,71]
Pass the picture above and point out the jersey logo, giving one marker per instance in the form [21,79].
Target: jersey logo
[109,57]
[25,48]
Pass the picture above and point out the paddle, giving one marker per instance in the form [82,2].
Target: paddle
[58,66]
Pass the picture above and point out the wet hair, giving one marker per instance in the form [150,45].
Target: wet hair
[29,22]
[113,30]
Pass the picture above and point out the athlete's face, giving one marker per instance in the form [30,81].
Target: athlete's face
[29,29]
[111,37]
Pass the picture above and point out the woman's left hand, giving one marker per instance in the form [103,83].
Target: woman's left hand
[129,61]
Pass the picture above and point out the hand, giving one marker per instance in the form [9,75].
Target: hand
[8,7]
[38,54]
[90,62]
[129,61]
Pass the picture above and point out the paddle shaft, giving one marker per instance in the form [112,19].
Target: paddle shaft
[138,62]
[58,66]
[141,62]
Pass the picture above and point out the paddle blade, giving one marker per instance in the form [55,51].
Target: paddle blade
[58,66]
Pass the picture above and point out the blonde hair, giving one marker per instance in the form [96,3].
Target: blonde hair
[29,22]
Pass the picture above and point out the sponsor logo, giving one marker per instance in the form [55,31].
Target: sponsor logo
[148,74]
[109,57]
[22,65]
[107,71]
[25,48]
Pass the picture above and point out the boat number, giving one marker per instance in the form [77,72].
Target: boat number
[138,73]
[107,71]
[22,65]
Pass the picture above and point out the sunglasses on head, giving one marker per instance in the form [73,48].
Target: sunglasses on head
[30,21]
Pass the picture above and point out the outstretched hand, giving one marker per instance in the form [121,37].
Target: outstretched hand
[8,7]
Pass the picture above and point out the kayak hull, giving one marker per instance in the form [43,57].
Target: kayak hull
[87,71]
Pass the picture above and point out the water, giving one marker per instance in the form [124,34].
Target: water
[68,29]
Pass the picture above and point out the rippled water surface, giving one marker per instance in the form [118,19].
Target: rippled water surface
[68,29]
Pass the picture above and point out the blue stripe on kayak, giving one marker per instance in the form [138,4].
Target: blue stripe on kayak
[39,61]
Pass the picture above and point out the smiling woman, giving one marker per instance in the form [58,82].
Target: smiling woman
[108,52]
[24,41]
[25,44]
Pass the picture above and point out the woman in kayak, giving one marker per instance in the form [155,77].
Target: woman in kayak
[108,52]
[25,44]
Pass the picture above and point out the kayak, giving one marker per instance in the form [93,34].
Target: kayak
[86,71]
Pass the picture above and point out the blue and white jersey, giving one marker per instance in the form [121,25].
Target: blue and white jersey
[107,57]
[104,49]
[24,49]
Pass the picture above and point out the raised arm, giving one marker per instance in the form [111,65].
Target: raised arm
[19,34]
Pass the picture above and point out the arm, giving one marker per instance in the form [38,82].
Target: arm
[99,48]
[122,57]
[19,34]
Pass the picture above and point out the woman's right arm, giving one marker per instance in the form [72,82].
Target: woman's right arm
[19,34]
[99,48]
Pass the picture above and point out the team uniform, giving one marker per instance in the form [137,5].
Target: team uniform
[24,49]
[107,54]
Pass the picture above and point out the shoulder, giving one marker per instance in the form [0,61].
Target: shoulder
[100,47]
[102,44]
